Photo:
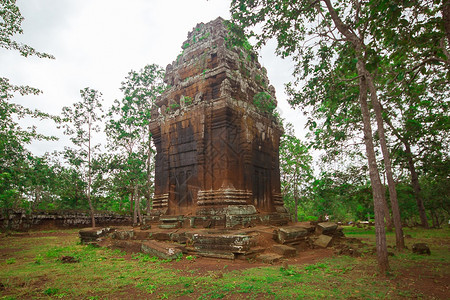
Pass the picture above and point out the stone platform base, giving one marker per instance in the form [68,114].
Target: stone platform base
[230,216]
[264,243]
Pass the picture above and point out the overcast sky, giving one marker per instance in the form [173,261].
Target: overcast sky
[97,42]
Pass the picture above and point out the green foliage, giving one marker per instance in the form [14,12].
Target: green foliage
[11,27]
[51,291]
[263,101]
[188,100]
[10,261]
[296,171]
[15,174]
[204,36]
[174,106]
[129,137]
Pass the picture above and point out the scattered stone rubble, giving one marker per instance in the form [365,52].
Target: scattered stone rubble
[268,244]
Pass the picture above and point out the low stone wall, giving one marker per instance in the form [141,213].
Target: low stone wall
[20,220]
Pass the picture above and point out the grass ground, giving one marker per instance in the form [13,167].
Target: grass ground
[31,267]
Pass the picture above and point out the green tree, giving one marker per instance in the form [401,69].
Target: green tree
[414,36]
[296,170]
[128,132]
[13,137]
[81,121]
[339,26]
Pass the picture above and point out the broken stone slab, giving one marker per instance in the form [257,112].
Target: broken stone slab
[327,228]
[421,248]
[123,234]
[284,250]
[93,235]
[323,241]
[290,234]
[178,237]
[269,258]
[161,250]
[94,232]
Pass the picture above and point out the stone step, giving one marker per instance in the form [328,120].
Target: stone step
[284,250]
[269,258]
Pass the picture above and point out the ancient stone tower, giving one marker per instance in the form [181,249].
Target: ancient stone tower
[216,136]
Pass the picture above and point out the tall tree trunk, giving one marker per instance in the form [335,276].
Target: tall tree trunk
[434,218]
[295,201]
[138,205]
[416,186]
[377,187]
[91,207]
[131,201]
[134,211]
[399,241]
[387,214]
[414,178]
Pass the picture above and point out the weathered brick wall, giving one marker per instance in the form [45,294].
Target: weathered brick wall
[20,220]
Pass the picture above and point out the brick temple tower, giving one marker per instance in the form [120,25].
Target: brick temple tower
[216,136]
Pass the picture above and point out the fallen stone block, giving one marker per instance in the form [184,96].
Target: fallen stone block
[161,250]
[421,248]
[123,234]
[269,258]
[93,235]
[323,241]
[290,234]
[327,228]
[284,250]
[178,237]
